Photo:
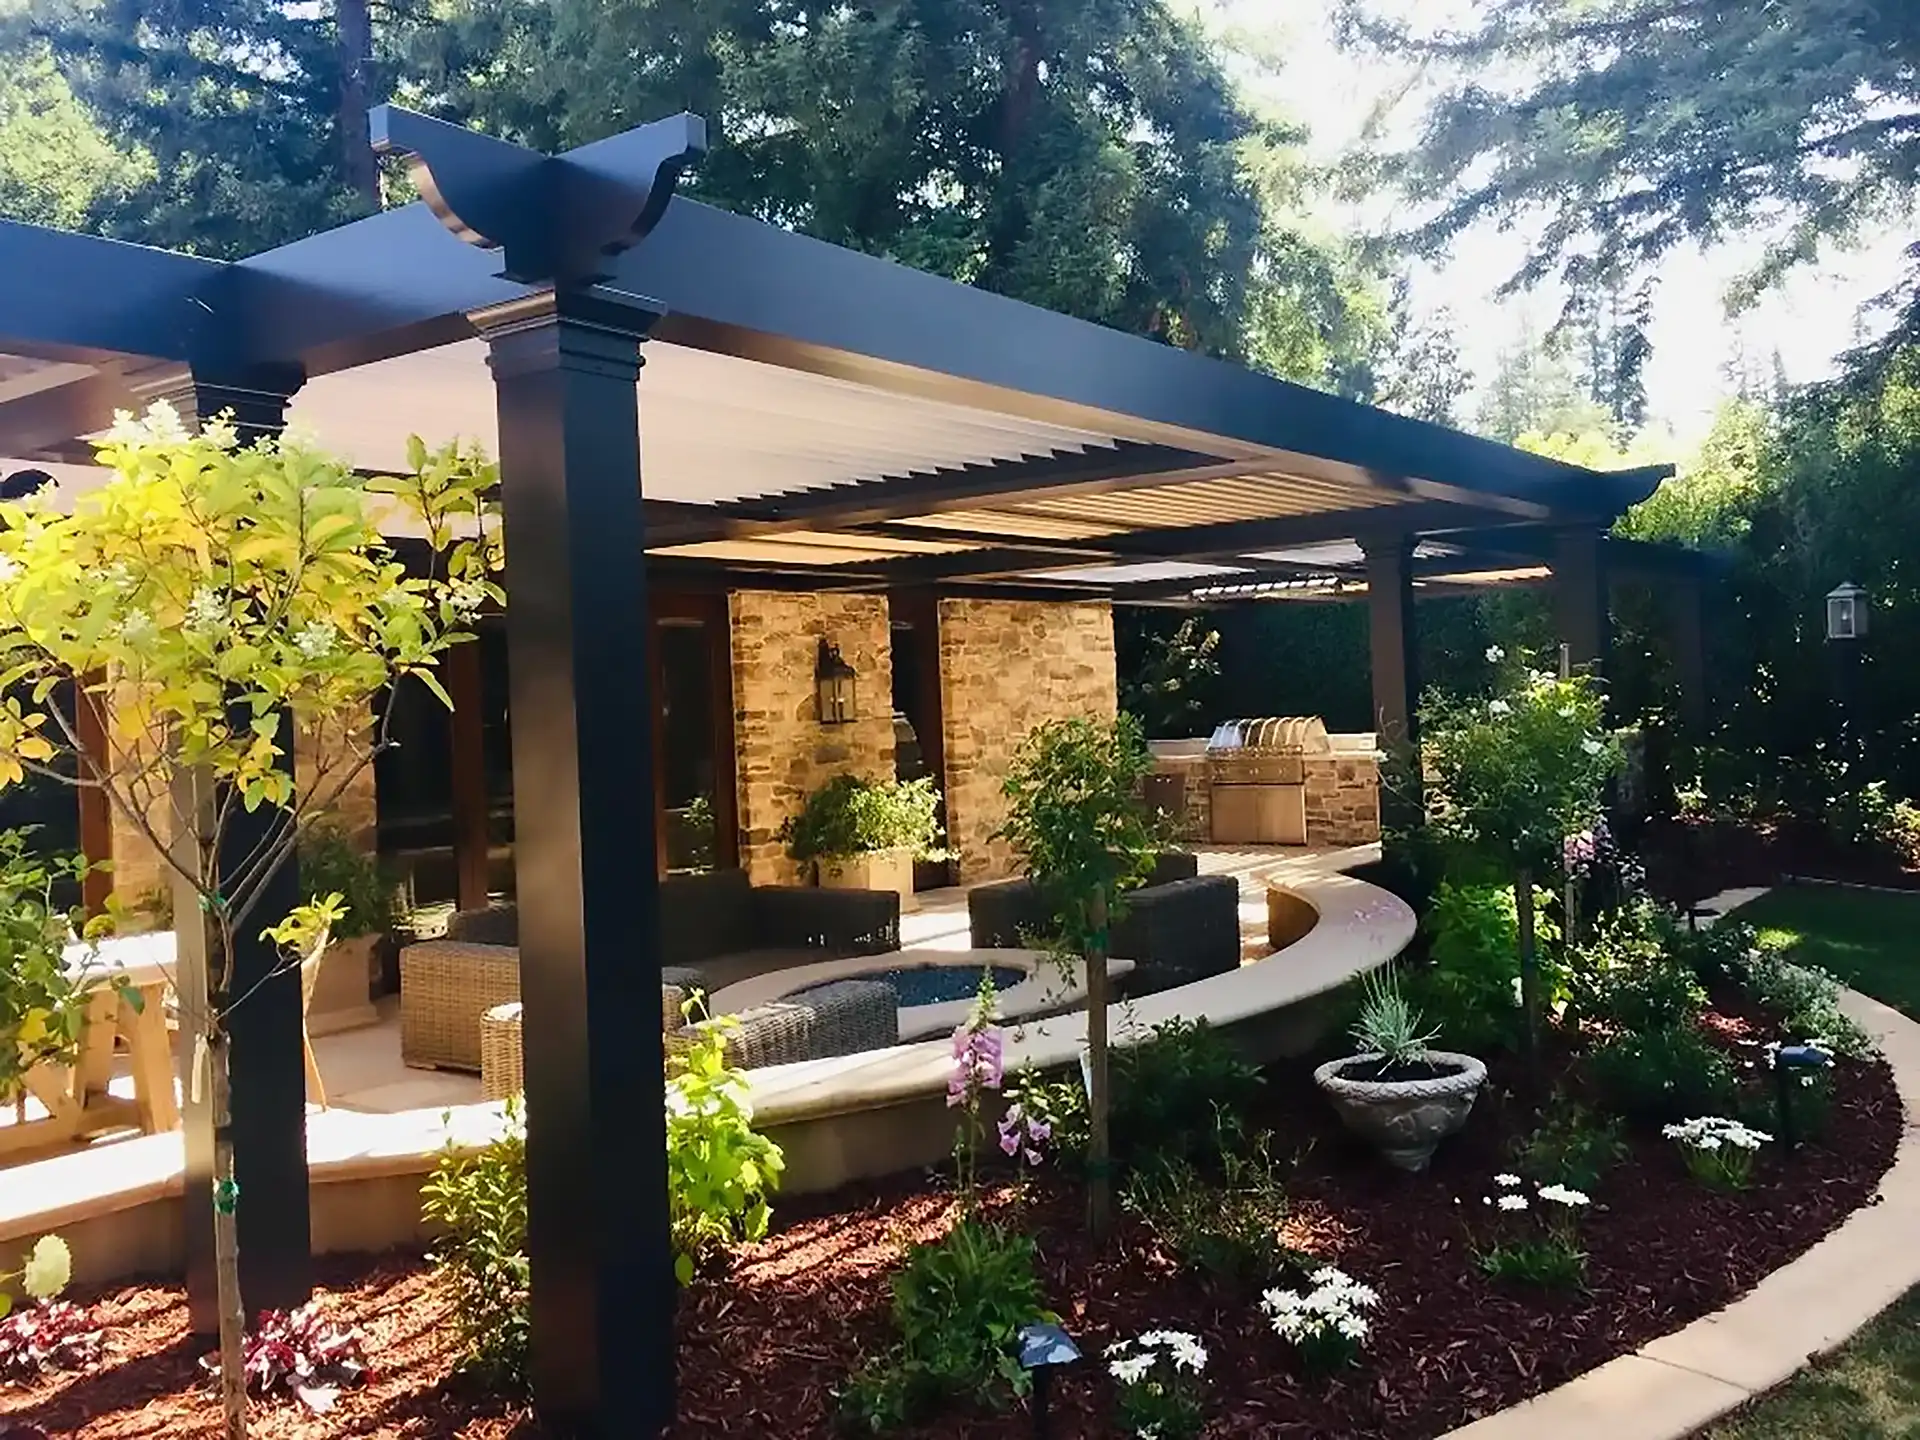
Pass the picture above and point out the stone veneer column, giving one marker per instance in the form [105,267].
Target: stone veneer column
[784,752]
[1007,667]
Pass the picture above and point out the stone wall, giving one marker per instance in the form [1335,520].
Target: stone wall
[1006,667]
[783,752]
[1194,825]
[1343,798]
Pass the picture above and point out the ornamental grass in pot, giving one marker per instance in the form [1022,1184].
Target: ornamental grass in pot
[1398,1092]
[861,834]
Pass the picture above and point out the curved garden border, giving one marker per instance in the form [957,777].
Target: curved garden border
[1672,1386]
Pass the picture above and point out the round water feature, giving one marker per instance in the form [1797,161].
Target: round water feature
[918,985]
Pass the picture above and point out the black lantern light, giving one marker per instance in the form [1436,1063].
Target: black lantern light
[834,679]
[1044,1348]
[1846,613]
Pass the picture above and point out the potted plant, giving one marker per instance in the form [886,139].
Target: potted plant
[1398,1093]
[332,864]
[861,834]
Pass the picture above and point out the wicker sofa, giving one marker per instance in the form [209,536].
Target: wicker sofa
[1179,927]
[720,926]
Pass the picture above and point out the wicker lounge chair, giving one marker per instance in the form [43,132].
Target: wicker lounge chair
[715,928]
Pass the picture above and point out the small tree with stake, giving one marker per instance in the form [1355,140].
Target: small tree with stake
[204,595]
[1516,775]
[1075,814]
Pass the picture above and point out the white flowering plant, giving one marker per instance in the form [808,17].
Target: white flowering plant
[1719,1152]
[1157,1382]
[1534,1234]
[1327,1324]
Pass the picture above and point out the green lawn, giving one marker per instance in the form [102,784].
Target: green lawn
[1870,1389]
[1868,938]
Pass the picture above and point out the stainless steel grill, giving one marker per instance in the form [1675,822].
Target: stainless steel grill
[1256,770]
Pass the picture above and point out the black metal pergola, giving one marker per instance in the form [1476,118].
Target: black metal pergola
[810,418]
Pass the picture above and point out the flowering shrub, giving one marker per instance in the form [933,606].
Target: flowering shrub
[979,1065]
[300,1353]
[1158,1376]
[1325,1323]
[1539,1241]
[1572,1143]
[1023,1134]
[1719,1152]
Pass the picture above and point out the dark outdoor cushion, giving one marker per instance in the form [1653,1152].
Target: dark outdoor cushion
[1174,933]
[704,917]
[1010,914]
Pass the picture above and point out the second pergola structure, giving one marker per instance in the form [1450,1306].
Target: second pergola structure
[809,418]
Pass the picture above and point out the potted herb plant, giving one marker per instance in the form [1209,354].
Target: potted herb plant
[861,834]
[332,864]
[1398,1093]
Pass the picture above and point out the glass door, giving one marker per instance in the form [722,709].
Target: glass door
[693,734]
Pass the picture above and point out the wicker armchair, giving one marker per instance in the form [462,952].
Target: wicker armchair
[842,1018]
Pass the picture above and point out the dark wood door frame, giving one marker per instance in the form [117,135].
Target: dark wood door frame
[916,615]
[711,611]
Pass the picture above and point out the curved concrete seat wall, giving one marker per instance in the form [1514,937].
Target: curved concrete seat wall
[852,1117]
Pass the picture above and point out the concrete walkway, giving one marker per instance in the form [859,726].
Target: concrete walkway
[1671,1387]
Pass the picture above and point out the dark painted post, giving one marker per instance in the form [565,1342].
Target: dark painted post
[266,1061]
[471,859]
[1393,640]
[565,368]
[1580,597]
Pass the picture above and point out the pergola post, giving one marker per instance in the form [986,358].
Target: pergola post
[265,1056]
[471,861]
[565,367]
[1689,654]
[1580,596]
[1393,641]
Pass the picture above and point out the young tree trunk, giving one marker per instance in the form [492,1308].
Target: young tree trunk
[226,1243]
[358,167]
[1099,1163]
[1529,981]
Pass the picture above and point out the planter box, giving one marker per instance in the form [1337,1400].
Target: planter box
[874,870]
[341,994]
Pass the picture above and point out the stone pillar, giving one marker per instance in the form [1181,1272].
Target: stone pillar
[565,367]
[265,1056]
[1393,645]
[1580,597]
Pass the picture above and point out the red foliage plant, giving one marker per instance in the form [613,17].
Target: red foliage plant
[300,1353]
[54,1335]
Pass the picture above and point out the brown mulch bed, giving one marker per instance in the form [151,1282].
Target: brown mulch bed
[762,1348]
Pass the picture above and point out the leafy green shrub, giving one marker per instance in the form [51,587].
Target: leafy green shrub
[43,1001]
[958,1305]
[1182,1094]
[1471,988]
[1658,1076]
[1231,1230]
[854,816]
[331,864]
[719,1169]
[1570,1144]
[1807,1000]
[1628,978]
[1874,820]
[480,1201]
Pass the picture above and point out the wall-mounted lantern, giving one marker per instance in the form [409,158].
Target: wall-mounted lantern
[1846,613]
[834,679]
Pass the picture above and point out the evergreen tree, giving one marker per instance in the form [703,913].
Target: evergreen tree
[1637,125]
[1420,372]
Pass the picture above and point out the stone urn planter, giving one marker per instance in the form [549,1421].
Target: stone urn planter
[870,870]
[1408,1114]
